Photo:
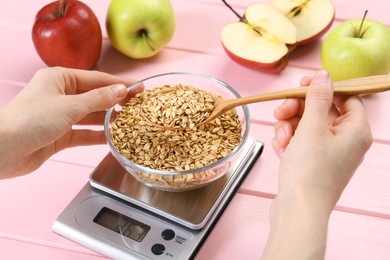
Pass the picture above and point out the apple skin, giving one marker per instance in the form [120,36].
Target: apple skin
[72,39]
[140,29]
[275,67]
[345,55]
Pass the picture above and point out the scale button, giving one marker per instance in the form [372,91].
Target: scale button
[158,249]
[168,234]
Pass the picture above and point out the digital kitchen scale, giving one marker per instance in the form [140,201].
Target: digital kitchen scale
[119,217]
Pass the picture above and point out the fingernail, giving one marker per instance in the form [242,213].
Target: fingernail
[320,77]
[135,85]
[120,90]
[135,88]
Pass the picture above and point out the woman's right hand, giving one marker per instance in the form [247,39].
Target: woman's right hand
[320,141]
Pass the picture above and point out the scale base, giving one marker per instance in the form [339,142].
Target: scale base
[131,231]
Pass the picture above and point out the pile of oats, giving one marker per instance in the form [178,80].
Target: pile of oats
[174,149]
[178,108]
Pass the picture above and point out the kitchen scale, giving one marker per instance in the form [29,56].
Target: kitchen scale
[117,216]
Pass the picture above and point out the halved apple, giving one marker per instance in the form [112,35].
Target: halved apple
[312,18]
[261,39]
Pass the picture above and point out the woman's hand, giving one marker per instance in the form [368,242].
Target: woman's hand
[320,141]
[38,122]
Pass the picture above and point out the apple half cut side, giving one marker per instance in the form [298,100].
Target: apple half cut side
[312,18]
[262,40]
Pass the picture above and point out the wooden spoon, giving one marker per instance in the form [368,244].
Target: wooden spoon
[358,86]
[350,87]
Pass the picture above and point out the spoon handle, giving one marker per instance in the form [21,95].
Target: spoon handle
[364,85]
[350,87]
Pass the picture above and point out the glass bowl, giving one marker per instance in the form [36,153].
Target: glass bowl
[185,179]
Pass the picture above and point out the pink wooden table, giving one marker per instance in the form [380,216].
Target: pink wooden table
[360,224]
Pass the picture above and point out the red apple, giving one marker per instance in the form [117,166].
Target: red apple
[261,39]
[312,18]
[67,33]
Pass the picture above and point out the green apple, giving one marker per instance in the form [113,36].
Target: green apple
[357,48]
[139,28]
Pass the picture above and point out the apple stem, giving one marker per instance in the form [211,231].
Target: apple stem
[242,19]
[360,33]
[61,11]
[144,34]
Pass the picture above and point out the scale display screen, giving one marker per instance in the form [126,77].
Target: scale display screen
[121,224]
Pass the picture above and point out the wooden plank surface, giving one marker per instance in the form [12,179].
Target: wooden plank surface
[359,228]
